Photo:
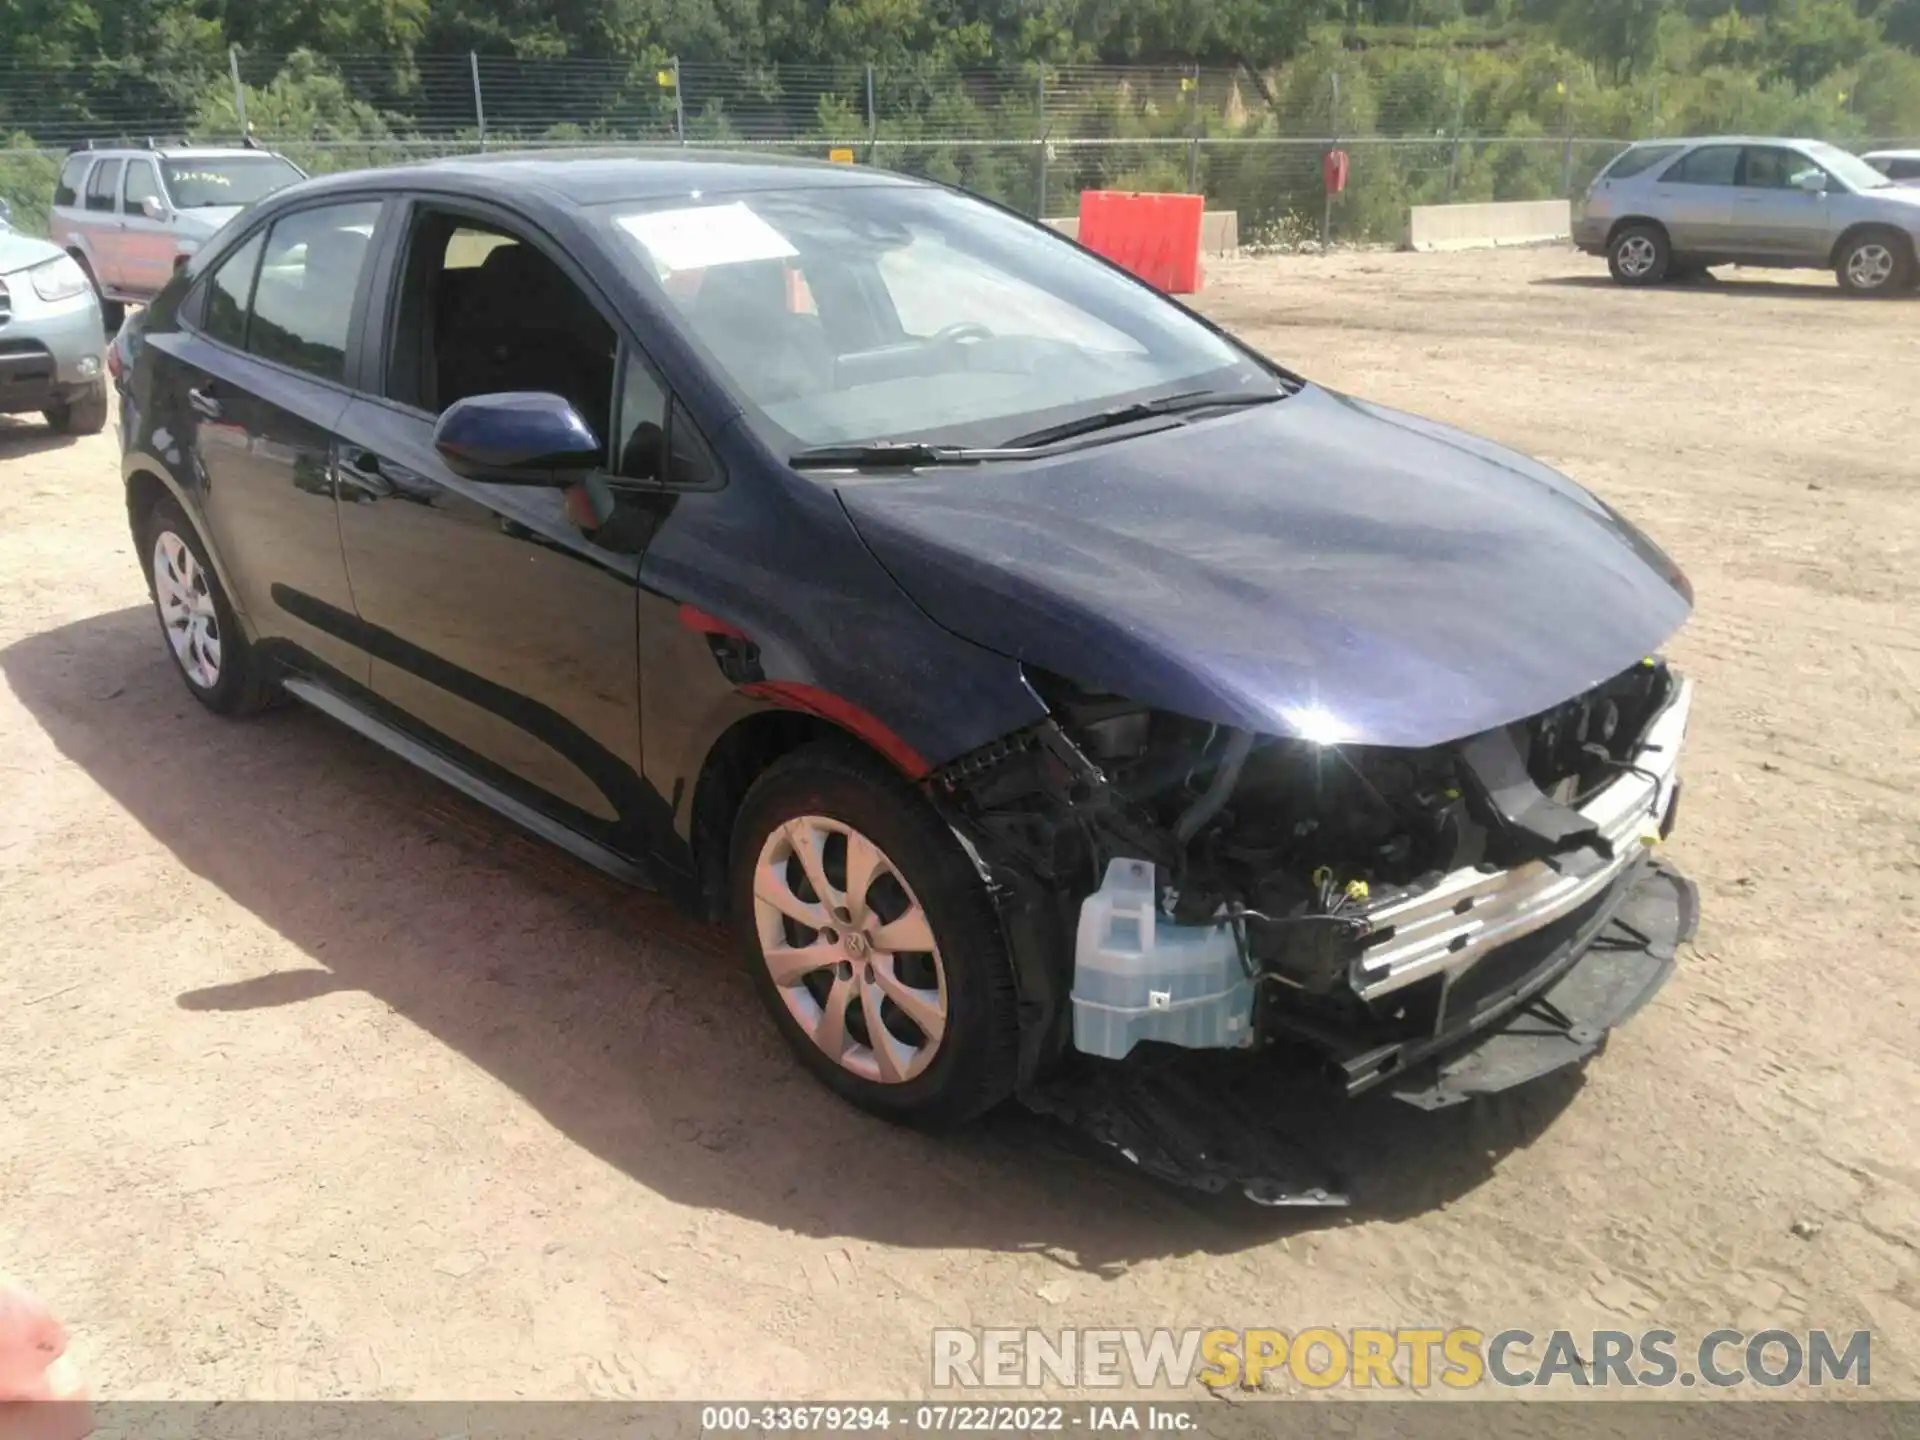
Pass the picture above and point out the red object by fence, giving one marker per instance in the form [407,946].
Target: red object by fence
[1333,168]
[1157,237]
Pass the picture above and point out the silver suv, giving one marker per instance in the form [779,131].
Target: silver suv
[130,215]
[52,356]
[1665,209]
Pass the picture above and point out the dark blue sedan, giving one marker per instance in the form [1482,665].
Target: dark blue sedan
[1041,682]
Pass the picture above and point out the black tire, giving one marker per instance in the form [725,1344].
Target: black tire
[82,414]
[973,1066]
[239,687]
[1639,255]
[1875,262]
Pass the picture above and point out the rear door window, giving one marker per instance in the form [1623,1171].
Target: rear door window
[230,293]
[1709,165]
[101,187]
[309,277]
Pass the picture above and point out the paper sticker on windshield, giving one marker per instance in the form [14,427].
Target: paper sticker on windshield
[706,235]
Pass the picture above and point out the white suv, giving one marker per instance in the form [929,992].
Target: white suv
[130,215]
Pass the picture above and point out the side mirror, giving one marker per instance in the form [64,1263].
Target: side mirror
[152,208]
[517,438]
[1813,182]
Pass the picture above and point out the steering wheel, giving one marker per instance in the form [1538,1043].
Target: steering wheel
[959,332]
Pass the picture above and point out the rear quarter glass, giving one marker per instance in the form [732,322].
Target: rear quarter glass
[1639,159]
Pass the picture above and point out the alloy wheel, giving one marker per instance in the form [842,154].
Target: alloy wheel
[1870,266]
[850,949]
[1637,256]
[187,611]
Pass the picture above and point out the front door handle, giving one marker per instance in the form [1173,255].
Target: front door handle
[204,402]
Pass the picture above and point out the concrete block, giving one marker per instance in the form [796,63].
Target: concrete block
[1506,222]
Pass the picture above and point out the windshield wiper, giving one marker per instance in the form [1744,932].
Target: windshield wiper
[1145,410]
[903,454]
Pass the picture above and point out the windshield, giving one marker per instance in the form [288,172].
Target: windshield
[848,315]
[1850,170]
[229,180]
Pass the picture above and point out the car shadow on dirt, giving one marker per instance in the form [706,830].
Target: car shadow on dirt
[627,1025]
[1740,287]
[29,435]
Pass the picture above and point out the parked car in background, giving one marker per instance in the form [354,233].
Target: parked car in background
[1036,676]
[1900,166]
[1667,208]
[129,216]
[52,353]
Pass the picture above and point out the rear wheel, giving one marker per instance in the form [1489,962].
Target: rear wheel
[872,941]
[203,637]
[82,414]
[1874,262]
[1640,255]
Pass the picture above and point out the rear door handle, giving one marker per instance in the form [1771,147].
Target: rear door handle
[361,470]
[204,402]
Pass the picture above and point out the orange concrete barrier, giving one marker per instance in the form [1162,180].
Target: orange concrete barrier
[42,1396]
[1157,237]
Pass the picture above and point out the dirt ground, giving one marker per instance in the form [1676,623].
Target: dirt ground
[319,1082]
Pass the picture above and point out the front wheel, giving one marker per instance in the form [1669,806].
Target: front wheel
[1874,263]
[82,414]
[1640,255]
[872,941]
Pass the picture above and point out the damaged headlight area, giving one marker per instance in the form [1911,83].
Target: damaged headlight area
[1221,888]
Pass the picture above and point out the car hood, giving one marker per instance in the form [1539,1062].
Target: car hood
[205,220]
[1319,566]
[18,251]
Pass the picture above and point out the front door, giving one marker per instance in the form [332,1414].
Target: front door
[500,621]
[146,245]
[1780,206]
[265,352]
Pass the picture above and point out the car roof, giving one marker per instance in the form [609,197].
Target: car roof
[1730,140]
[176,152]
[606,176]
[1891,155]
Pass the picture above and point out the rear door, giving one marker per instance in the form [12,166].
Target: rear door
[68,193]
[101,225]
[1694,199]
[1776,213]
[264,347]
[146,244]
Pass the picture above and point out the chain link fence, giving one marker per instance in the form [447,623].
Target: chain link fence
[1416,126]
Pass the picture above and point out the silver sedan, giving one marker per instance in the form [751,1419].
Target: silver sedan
[1665,209]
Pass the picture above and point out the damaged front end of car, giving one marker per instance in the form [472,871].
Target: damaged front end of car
[1437,923]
